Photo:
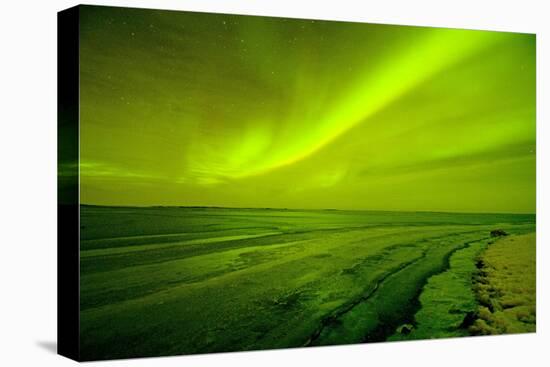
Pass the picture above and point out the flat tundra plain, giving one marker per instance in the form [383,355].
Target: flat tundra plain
[182,280]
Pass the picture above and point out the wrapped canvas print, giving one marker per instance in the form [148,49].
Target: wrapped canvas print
[232,183]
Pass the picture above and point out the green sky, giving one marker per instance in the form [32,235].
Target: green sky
[203,109]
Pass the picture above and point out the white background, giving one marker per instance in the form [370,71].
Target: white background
[28,183]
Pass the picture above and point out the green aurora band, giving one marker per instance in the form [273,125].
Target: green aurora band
[185,108]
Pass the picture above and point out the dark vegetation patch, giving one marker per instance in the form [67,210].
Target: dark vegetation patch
[498,233]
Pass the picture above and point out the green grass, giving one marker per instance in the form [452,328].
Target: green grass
[161,281]
[506,287]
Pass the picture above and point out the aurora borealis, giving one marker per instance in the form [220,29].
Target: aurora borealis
[181,108]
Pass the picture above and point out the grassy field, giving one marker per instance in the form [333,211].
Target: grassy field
[167,280]
[506,287]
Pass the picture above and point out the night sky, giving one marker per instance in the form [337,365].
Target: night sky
[181,108]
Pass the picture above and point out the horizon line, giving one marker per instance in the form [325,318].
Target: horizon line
[300,209]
